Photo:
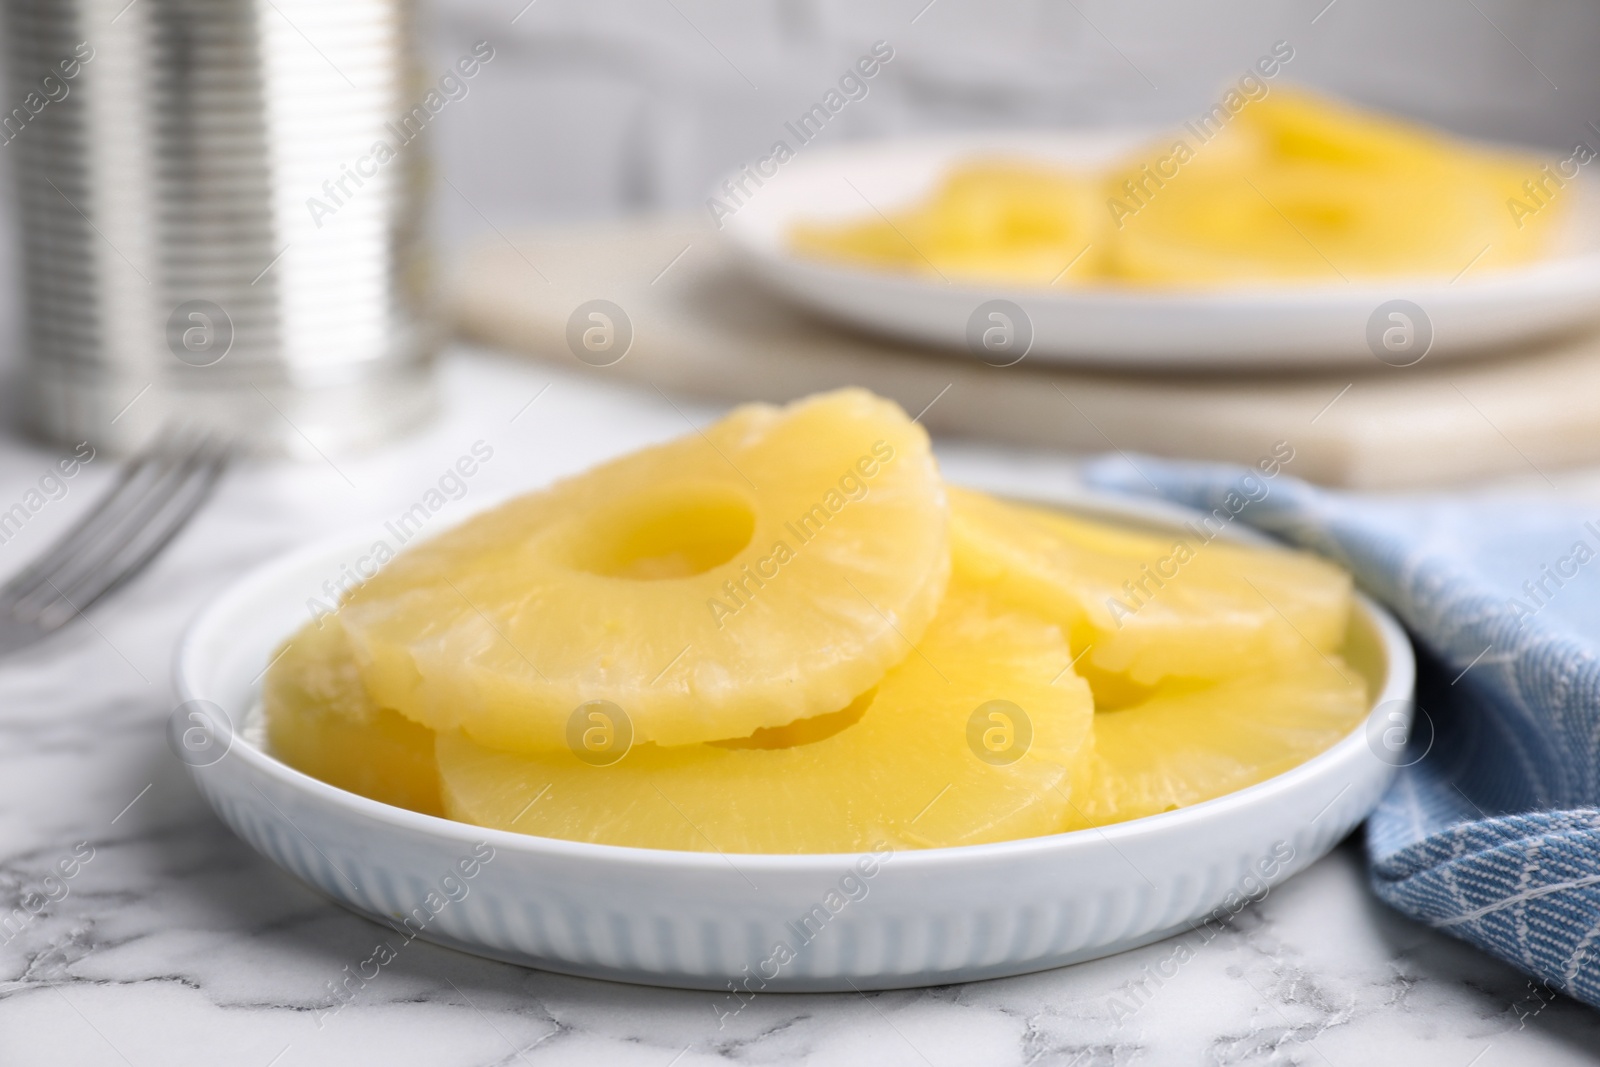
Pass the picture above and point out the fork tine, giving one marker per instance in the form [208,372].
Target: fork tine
[162,487]
[92,550]
[106,512]
[146,473]
[144,499]
[143,544]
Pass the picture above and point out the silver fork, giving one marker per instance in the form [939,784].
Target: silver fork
[156,494]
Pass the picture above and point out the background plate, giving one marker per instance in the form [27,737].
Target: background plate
[1236,326]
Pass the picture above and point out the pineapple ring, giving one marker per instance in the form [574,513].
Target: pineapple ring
[1188,743]
[767,569]
[901,765]
[1141,608]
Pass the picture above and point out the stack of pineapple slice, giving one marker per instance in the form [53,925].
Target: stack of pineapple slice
[1290,188]
[783,634]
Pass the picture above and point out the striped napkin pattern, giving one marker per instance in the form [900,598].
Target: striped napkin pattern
[1491,831]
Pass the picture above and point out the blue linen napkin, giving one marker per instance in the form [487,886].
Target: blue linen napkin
[1492,832]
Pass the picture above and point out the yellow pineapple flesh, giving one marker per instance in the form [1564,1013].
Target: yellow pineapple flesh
[936,755]
[1141,607]
[1190,742]
[1288,188]
[1226,672]
[910,671]
[1301,188]
[321,722]
[767,569]
[989,220]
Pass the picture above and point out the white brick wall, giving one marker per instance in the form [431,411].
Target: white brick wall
[594,107]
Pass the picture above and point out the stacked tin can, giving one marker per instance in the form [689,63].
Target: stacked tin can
[222,210]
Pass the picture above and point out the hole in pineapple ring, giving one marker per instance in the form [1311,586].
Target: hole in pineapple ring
[674,531]
[999,732]
[599,732]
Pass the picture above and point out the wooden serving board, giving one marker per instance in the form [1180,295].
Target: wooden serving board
[700,328]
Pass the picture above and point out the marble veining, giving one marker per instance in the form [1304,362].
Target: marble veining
[172,943]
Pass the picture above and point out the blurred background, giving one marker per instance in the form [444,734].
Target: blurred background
[615,106]
[629,108]
[606,107]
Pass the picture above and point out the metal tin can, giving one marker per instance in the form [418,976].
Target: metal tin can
[210,228]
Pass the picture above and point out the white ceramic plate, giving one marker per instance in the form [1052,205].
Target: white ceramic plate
[1245,326]
[703,920]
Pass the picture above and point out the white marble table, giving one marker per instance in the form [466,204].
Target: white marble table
[175,944]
